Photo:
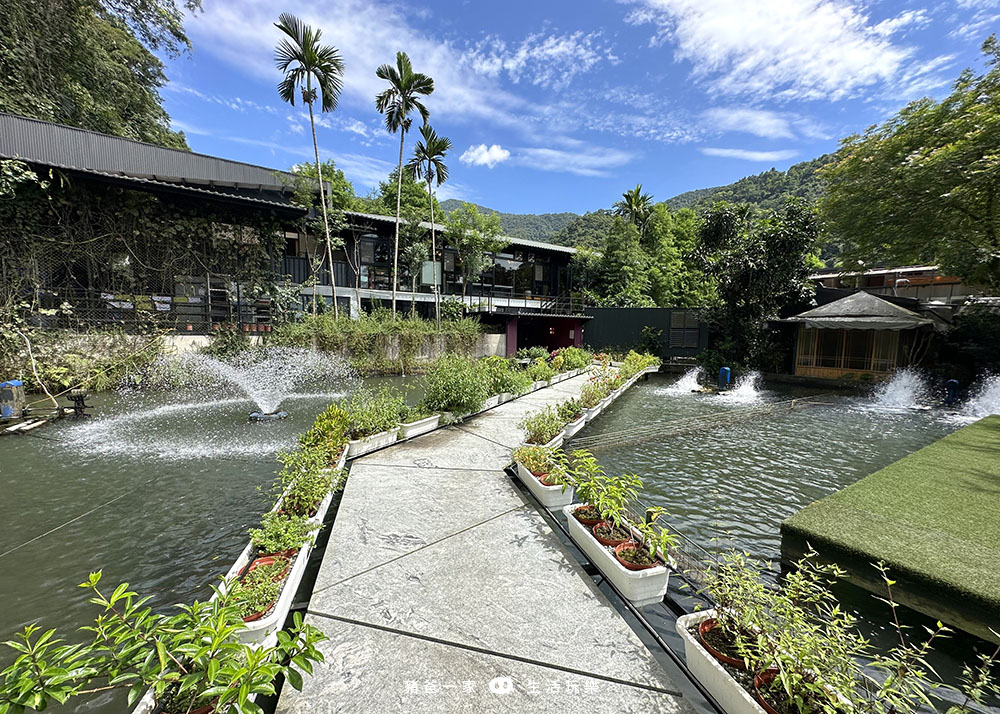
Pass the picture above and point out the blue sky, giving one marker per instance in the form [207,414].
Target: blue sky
[557,105]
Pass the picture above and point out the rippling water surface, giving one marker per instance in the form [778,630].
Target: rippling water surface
[158,491]
[737,483]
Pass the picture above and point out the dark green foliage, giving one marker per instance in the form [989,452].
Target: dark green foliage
[624,277]
[541,226]
[415,200]
[77,62]
[923,187]
[767,190]
[587,231]
[376,342]
[972,347]
[759,264]
[455,384]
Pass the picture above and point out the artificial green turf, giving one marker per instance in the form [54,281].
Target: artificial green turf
[933,515]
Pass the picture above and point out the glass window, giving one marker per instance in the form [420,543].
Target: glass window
[367,252]
[449,261]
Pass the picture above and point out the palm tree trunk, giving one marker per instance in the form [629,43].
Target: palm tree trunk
[326,222]
[399,196]
[437,293]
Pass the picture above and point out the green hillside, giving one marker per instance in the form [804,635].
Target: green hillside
[766,190]
[533,226]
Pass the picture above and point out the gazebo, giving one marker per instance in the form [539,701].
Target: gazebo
[861,334]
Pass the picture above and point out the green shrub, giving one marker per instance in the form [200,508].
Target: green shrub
[570,410]
[635,363]
[501,375]
[592,393]
[533,353]
[279,532]
[328,434]
[576,358]
[408,415]
[542,427]
[373,411]
[452,310]
[540,371]
[455,384]
[368,340]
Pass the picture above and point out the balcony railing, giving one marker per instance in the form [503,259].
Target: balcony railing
[526,303]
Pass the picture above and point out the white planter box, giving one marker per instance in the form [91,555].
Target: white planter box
[569,431]
[605,403]
[421,426]
[591,414]
[712,674]
[651,370]
[357,447]
[491,402]
[616,393]
[556,442]
[548,496]
[506,397]
[640,587]
[535,386]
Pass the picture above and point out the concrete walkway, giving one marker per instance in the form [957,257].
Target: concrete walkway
[442,590]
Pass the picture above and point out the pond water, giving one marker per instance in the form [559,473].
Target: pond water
[731,486]
[155,489]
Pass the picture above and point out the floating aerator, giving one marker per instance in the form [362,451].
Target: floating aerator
[270,416]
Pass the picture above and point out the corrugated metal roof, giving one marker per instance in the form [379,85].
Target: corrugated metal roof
[59,145]
[524,242]
[181,188]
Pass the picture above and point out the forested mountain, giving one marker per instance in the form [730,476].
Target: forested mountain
[587,231]
[766,190]
[533,226]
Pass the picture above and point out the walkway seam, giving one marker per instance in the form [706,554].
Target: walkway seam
[485,438]
[423,547]
[502,655]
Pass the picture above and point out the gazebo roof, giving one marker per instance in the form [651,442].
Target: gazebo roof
[862,311]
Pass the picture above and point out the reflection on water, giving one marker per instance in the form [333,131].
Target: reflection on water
[179,477]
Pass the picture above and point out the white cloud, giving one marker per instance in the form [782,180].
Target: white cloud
[482,155]
[809,49]
[763,122]
[758,122]
[585,161]
[549,61]
[748,155]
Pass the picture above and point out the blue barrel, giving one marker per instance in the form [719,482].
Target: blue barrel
[11,398]
[724,375]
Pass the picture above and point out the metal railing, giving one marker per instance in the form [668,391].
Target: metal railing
[526,303]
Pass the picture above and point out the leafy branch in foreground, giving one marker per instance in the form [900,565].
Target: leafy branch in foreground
[188,660]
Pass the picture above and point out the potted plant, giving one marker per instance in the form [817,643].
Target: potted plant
[543,428]
[571,413]
[190,661]
[374,418]
[588,479]
[610,495]
[592,395]
[282,534]
[305,482]
[417,420]
[544,472]
[328,435]
[576,359]
[540,372]
[257,591]
[652,545]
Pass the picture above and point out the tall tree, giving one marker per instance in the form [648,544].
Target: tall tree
[924,187]
[624,268]
[760,264]
[396,104]
[428,163]
[305,61]
[636,207]
[81,63]
[474,236]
